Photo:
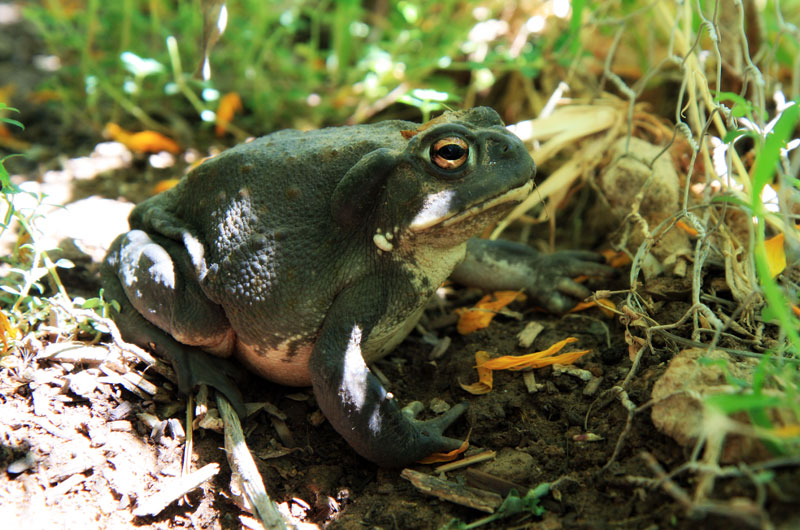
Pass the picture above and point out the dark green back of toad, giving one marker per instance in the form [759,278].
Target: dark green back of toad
[262,212]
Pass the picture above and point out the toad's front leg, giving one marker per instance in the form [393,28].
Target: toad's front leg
[547,278]
[353,399]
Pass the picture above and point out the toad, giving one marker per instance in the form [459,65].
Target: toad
[308,255]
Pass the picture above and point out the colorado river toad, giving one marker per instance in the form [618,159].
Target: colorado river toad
[310,254]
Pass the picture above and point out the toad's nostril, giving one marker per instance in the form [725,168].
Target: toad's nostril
[500,148]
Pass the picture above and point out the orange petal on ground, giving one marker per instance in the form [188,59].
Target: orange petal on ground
[616,259]
[485,379]
[776,255]
[165,185]
[786,431]
[479,316]
[796,311]
[605,305]
[229,104]
[43,96]
[142,142]
[686,228]
[8,141]
[435,458]
[7,331]
[623,260]
[537,359]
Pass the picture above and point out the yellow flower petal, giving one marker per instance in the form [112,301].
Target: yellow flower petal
[485,378]
[144,141]
[435,458]
[537,359]
[483,312]
[229,104]
[776,255]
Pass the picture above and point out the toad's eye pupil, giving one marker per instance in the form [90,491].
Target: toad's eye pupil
[451,152]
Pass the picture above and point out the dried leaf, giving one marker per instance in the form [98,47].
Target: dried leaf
[229,104]
[537,359]
[776,255]
[485,379]
[484,311]
[142,142]
[435,458]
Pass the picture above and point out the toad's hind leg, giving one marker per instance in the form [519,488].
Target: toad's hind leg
[163,308]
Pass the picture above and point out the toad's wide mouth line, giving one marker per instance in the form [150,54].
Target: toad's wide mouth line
[518,194]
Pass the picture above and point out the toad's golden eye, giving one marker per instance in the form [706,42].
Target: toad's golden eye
[450,152]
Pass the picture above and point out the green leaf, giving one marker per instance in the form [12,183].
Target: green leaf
[732,199]
[768,158]
[730,403]
[64,263]
[733,134]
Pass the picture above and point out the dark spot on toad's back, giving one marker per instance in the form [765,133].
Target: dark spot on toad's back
[293,193]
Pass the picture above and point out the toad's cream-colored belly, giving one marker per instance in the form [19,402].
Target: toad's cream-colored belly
[284,365]
[287,364]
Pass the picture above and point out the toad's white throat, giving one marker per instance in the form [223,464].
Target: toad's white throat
[437,207]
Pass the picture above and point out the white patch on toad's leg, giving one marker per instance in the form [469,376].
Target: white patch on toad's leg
[353,388]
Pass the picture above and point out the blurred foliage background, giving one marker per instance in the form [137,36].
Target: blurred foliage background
[302,63]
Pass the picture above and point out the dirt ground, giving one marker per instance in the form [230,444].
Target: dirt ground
[91,455]
[81,446]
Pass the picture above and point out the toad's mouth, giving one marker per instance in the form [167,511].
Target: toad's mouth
[433,213]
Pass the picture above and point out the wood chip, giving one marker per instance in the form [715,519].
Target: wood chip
[284,432]
[120,411]
[244,470]
[499,485]
[149,420]
[441,347]
[484,501]
[77,353]
[468,461]
[138,379]
[173,489]
[268,407]
[117,379]
[54,494]
[530,382]
[529,333]
[574,371]
[592,386]
[120,426]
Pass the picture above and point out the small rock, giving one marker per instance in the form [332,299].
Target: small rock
[439,405]
[679,412]
[23,464]
[513,465]
[592,386]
